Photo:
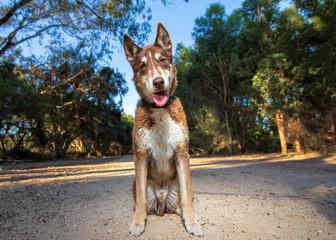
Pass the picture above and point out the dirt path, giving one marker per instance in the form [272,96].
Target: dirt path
[239,197]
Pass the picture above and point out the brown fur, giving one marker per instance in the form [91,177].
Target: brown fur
[160,139]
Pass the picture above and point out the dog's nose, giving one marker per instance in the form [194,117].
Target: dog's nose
[158,82]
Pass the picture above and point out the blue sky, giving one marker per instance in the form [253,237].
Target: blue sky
[178,18]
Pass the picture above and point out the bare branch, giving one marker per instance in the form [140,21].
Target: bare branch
[61,83]
[101,19]
[10,37]
[64,105]
[11,11]
[217,91]
[10,44]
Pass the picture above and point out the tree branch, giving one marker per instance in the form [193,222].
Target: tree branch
[10,44]
[11,11]
[217,91]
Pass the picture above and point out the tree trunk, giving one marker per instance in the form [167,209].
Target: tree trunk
[59,152]
[3,147]
[297,141]
[281,129]
[333,120]
[62,146]
[229,132]
[226,92]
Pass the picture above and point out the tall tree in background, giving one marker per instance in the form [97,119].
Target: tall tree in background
[78,97]
[269,74]
[302,61]
[279,92]
[316,71]
[19,104]
[214,35]
[253,46]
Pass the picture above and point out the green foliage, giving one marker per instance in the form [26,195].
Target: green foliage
[50,102]
[19,103]
[268,74]
[276,85]
[204,73]
[79,100]
[209,133]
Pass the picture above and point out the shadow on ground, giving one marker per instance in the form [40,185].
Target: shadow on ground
[237,197]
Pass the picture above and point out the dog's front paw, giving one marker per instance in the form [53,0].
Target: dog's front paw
[194,228]
[136,228]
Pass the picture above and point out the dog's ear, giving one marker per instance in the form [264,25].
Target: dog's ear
[130,48]
[163,39]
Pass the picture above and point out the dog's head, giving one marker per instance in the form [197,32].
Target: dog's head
[154,72]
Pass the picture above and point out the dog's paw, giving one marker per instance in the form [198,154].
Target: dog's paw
[179,212]
[136,228]
[194,228]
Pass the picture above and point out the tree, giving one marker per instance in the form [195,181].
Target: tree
[97,22]
[304,34]
[255,43]
[79,98]
[206,73]
[279,91]
[209,133]
[269,74]
[19,103]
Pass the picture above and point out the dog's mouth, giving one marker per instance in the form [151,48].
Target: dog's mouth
[160,98]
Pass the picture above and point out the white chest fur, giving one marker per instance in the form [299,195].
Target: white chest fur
[162,138]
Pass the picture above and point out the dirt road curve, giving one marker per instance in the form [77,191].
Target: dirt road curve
[238,197]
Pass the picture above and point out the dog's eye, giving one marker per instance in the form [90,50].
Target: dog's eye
[162,59]
[142,65]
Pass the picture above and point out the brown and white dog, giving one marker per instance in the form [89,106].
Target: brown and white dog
[160,137]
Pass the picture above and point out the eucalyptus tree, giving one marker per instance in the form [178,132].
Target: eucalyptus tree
[97,22]
[78,96]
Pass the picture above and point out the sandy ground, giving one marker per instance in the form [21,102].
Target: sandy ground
[238,197]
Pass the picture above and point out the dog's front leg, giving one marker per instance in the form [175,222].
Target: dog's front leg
[138,224]
[189,217]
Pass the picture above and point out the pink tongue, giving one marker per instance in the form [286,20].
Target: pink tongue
[160,98]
